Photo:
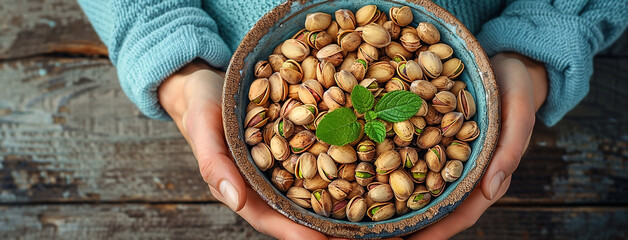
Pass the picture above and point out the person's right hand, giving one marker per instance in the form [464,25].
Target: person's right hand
[192,97]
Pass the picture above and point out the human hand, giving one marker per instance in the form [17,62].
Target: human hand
[192,97]
[523,88]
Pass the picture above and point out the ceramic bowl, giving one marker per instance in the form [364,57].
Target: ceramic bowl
[284,21]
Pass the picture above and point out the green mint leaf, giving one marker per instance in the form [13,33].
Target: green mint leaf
[362,99]
[370,115]
[375,130]
[398,106]
[338,127]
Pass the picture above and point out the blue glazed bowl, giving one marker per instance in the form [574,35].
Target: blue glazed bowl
[288,18]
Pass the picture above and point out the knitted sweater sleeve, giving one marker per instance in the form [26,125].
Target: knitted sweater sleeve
[564,35]
[151,39]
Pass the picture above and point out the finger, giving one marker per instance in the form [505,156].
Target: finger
[266,220]
[463,217]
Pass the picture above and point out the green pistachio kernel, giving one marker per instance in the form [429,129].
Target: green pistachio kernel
[317,195]
[408,163]
[418,175]
[373,86]
[296,149]
[397,59]
[381,171]
[435,191]
[363,148]
[363,175]
[374,210]
[418,197]
[418,130]
[312,109]
[436,152]
[361,61]
[281,129]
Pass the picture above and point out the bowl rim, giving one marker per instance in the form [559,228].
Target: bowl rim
[403,226]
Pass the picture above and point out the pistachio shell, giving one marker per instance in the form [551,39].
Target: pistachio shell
[401,207]
[253,136]
[321,202]
[452,170]
[396,84]
[339,209]
[315,183]
[319,39]
[326,167]
[380,192]
[429,138]
[301,141]
[433,117]
[300,196]
[279,148]
[348,61]
[468,132]
[301,35]
[444,102]
[466,104]
[452,68]
[345,19]
[311,92]
[366,150]
[303,114]
[451,123]
[401,184]
[263,69]
[458,150]
[306,166]
[401,16]
[345,80]
[356,190]
[387,162]
[419,171]
[295,49]
[278,88]
[430,64]
[424,89]
[366,15]
[339,188]
[259,91]
[409,71]
[349,40]
[358,69]
[288,105]
[317,21]
[409,157]
[434,183]
[256,117]
[381,211]
[262,156]
[419,198]
[290,163]
[331,53]
[435,158]
[443,51]
[375,35]
[393,29]
[342,154]
[442,83]
[364,173]
[385,145]
[410,40]
[318,147]
[356,209]
[368,53]
[458,86]
[382,71]
[419,124]
[325,73]
[283,127]
[404,129]
[428,33]
[282,179]
[276,60]
[334,98]
[347,171]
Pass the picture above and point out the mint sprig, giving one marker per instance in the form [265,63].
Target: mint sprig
[398,106]
[338,127]
[362,99]
[375,130]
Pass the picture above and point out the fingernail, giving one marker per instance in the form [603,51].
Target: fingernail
[229,193]
[496,182]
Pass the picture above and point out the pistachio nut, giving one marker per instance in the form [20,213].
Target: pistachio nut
[252,105]
[434,183]
[288,105]
[334,98]
[318,147]
[381,211]
[298,182]
[295,49]
[315,183]
[452,170]
[442,83]
[401,16]
[404,129]
[428,33]
[468,132]
[256,117]
[263,69]
[429,137]
[387,162]
[443,51]
[311,92]
[301,141]
[368,53]
[393,29]
[279,148]
[283,127]
[308,66]
[396,84]
[282,179]
[291,71]
[345,80]
[301,35]
[419,198]
[277,49]
[401,207]
[366,150]
[409,157]
[445,141]
[452,68]
[259,91]
[342,154]
[430,64]
[319,39]
[349,40]
[380,192]
[364,173]
[326,167]
[409,71]
[371,85]
[435,158]
[339,209]
[356,190]
[400,142]
[419,124]
[273,111]
[466,104]
[444,102]
[306,166]
[366,15]
[458,150]
[252,136]
[333,28]
[410,40]
[345,19]
[433,117]
[401,184]
[325,73]
[358,69]
[348,61]
[424,89]
[451,123]
[356,208]
[262,156]
[293,91]
[278,88]
[317,21]
[458,86]
[385,145]
[339,188]
[302,114]
[300,196]
[419,171]
[290,163]
[423,109]
[268,133]
[276,60]
[331,53]
[347,171]
[382,71]
[375,35]
[321,202]
[395,49]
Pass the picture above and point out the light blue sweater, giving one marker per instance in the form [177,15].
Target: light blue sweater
[149,40]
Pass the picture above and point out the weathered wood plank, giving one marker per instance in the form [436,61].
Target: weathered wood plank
[52,26]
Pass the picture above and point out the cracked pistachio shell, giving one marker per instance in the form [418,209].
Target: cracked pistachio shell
[358,69]
[345,19]
[419,198]
[443,51]
[311,92]
[396,84]
[424,89]
[429,137]
[283,127]
[458,150]
[419,171]
[401,16]
[366,150]
[435,158]
[253,136]
[300,196]
[404,129]
[273,111]
[291,72]
[452,68]
[387,162]
[458,86]
[326,167]
[318,147]
[278,88]
[263,69]
[430,64]
[401,183]
[306,166]
[301,35]
[434,183]
[268,133]
[444,102]
[259,91]
[319,39]
[317,21]
[282,179]
[382,71]
[339,188]
[433,117]
[303,114]
[295,49]
[315,183]
[466,104]
[333,28]
[321,202]
[277,49]
[331,53]
[368,53]
[276,60]
[381,211]
[442,83]
[468,132]
[419,124]
[290,163]
[380,192]
[364,173]
[356,190]
[309,67]
[371,85]
[252,105]
[256,117]
[393,29]
[428,33]
[288,105]
[325,73]
[385,145]
[451,123]
[334,98]
[301,141]
[409,71]
[422,111]
[342,154]
[410,40]
[345,80]
[452,170]
[366,15]
[348,61]
[409,157]
[356,209]
[349,40]
[339,209]
[395,49]
[262,156]
[347,171]
[375,35]
[293,91]
[279,148]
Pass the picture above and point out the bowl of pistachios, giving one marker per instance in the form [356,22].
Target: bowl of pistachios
[366,119]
